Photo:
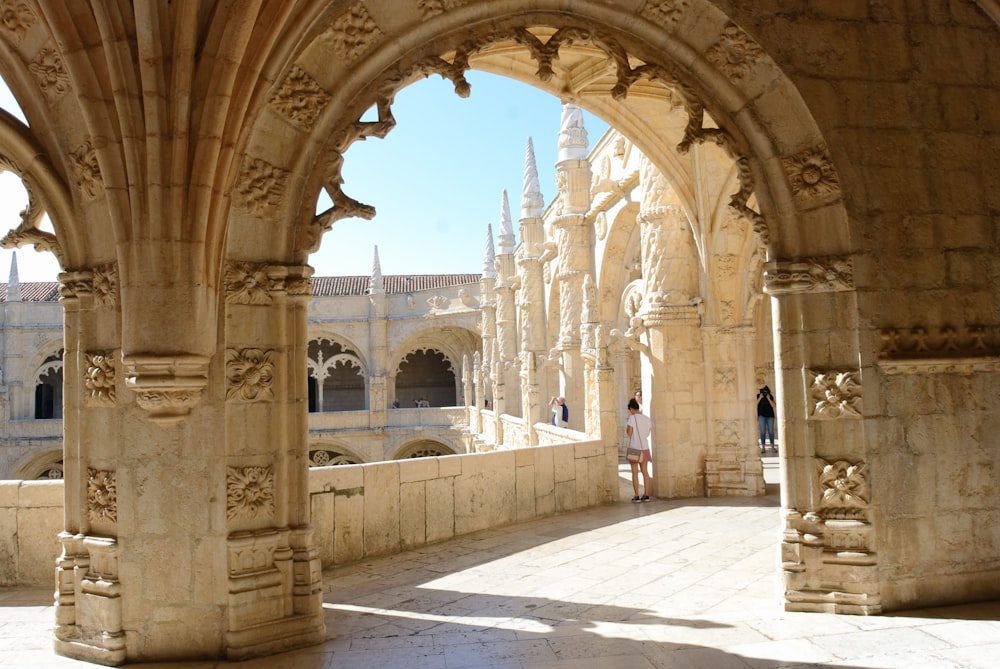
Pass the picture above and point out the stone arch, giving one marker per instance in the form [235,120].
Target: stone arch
[338,375]
[424,448]
[41,464]
[707,62]
[330,454]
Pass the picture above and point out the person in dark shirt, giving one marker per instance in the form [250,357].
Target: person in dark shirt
[765,417]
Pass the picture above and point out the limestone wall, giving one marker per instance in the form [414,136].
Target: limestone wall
[31,517]
[359,510]
[384,507]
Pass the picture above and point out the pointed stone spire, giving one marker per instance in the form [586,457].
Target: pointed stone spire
[376,285]
[572,134]
[506,237]
[490,259]
[532,202]
[13,283]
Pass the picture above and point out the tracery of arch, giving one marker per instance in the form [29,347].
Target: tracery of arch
[330,455]
[423,448]
[453,344]
[21,155]
[566,60]
[337,376]
[426,377]
[49,387]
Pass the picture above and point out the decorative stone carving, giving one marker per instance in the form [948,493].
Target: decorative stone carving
[86,170]
[249,493]
[300,98]
[261,186]
[247,283]
[50,73]
[829,274]
[735,54]
[353,33]
[102,496]
[16,18]
[100,379]
[941,350]
[725,379]
[438,302]
[667,13]
[166,386]
[27,231]
[726,264]
[844,489]
[812,174]
[431,8]
[249,374]
[834,395]
[727,432]
[105,284]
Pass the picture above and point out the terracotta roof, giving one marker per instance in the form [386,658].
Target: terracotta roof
[326,286]
[34,291]
[323,286]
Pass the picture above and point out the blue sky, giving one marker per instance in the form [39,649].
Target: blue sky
[435,180]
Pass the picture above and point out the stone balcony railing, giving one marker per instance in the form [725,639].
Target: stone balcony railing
[365,510]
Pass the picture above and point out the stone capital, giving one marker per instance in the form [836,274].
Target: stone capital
[166,386]
[826,274]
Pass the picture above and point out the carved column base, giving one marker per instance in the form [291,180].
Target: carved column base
[166,386]
[731,471]
[829,566]
[96,633]
[275,593]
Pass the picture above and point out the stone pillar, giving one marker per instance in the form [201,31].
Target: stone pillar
[829,551]
[670,315]
[187,528]
[506,365]
[274,580]
[575,258]
[532,253]
[378,344]
[89,617]
[484,365]
[732,466]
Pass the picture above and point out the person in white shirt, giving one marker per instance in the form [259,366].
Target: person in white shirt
[638,429]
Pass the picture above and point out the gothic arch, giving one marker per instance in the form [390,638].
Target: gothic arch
[697,61]
[423,448]
[47,463]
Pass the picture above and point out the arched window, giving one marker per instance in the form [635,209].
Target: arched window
[336,378]
[427,375]
[425,448]
[49,387]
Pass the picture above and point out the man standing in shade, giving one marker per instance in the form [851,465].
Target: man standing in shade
[765,417]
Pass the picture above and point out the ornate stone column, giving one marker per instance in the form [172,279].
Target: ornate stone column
[672,321]
[575,254]
[273,572]
[829,550]
[378,345]
[507,399]
[484,365]
[89,617]
[532,254]
[732,465]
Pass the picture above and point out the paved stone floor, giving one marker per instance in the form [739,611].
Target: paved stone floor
[681,584]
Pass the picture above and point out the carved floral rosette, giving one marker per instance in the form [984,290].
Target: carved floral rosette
[249,374]
[812,175]
[249,493]
[844,489]
[834,395]
[16,18]
[102,497]
[735,54]
[99,379]
[259,284]
[810,275]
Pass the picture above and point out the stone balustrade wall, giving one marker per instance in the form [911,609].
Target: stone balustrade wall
[360,511]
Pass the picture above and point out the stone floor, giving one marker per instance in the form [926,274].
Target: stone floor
[665,584]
